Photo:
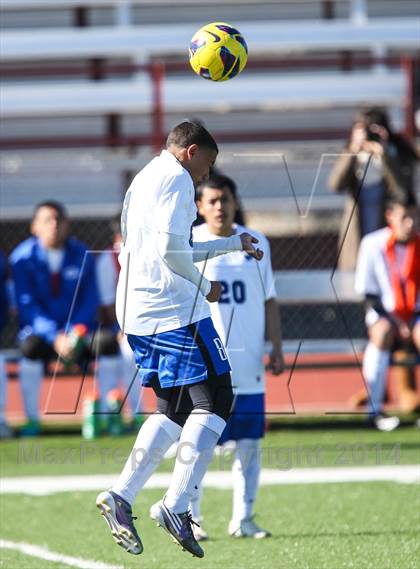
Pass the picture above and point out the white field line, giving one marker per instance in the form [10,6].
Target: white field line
[47,555]
[45,485]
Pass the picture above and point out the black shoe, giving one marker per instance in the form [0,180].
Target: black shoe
[179,526]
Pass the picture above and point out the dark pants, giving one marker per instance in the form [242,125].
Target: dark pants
[103,343]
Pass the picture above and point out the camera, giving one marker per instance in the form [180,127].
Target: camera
[373,136]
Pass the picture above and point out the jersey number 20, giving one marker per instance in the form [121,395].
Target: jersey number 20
[233,292]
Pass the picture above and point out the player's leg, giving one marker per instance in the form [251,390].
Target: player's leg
[195,506]
[375,368]
[246,426]
[212,400]
[156,435]
[35,352]
[202,357]
[5,431]
[416,335]
[246,471]
[106,349]
[131,382]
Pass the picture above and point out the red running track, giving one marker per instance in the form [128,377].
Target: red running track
[305,391]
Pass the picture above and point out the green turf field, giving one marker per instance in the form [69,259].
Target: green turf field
[362,525]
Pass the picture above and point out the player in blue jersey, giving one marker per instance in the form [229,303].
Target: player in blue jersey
[55,289]
[161,306]
[246,308]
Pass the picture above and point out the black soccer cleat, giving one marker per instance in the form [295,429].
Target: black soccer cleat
[179,526]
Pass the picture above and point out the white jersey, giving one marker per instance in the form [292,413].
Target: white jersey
[373,273]
[150,297]
[239,316]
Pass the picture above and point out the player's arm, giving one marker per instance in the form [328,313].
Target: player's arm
[342,177]
[273,329]
[272,313]
[177,254]
[208,249]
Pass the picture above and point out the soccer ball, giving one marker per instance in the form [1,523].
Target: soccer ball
[218,52]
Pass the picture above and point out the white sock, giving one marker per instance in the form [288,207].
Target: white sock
[107,376]
[195,504]
[245,471]
[3,388]
[31,376]
[156,435]
[375,367]
[195,452]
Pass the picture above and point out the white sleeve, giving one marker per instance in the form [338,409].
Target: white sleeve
[203,250]
[174,208]
[105,270]
[177,254]
[365,281]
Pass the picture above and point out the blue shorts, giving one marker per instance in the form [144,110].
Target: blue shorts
[247,420]
[180,357]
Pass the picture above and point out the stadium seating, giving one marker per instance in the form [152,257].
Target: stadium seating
[264,38]
[269,92]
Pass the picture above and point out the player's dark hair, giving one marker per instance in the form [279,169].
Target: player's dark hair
[400,198]
[218,181]
[187,133]
[57,206]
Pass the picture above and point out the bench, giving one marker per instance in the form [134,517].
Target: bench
[265,92]
[263,38]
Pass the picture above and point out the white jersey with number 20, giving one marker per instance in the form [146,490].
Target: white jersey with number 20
[239,316]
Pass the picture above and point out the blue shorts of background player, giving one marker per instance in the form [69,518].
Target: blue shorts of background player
[247,420]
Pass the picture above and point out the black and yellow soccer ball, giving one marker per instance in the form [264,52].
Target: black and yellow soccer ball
[218,52]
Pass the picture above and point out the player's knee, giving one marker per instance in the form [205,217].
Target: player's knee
[106,344]
[36,348]
[416,336]
[382,334]
[172,407]
[223,397]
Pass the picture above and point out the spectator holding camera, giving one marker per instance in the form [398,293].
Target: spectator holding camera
[376,164]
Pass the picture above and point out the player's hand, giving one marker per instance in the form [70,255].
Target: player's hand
[248,241]
[373,147]
[63,346]
[215,291]
[357,138]
[402,327]
[276,363]
[404,331]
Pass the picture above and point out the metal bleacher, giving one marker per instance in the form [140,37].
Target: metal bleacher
[27,96]
[288,91]
[263,38]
